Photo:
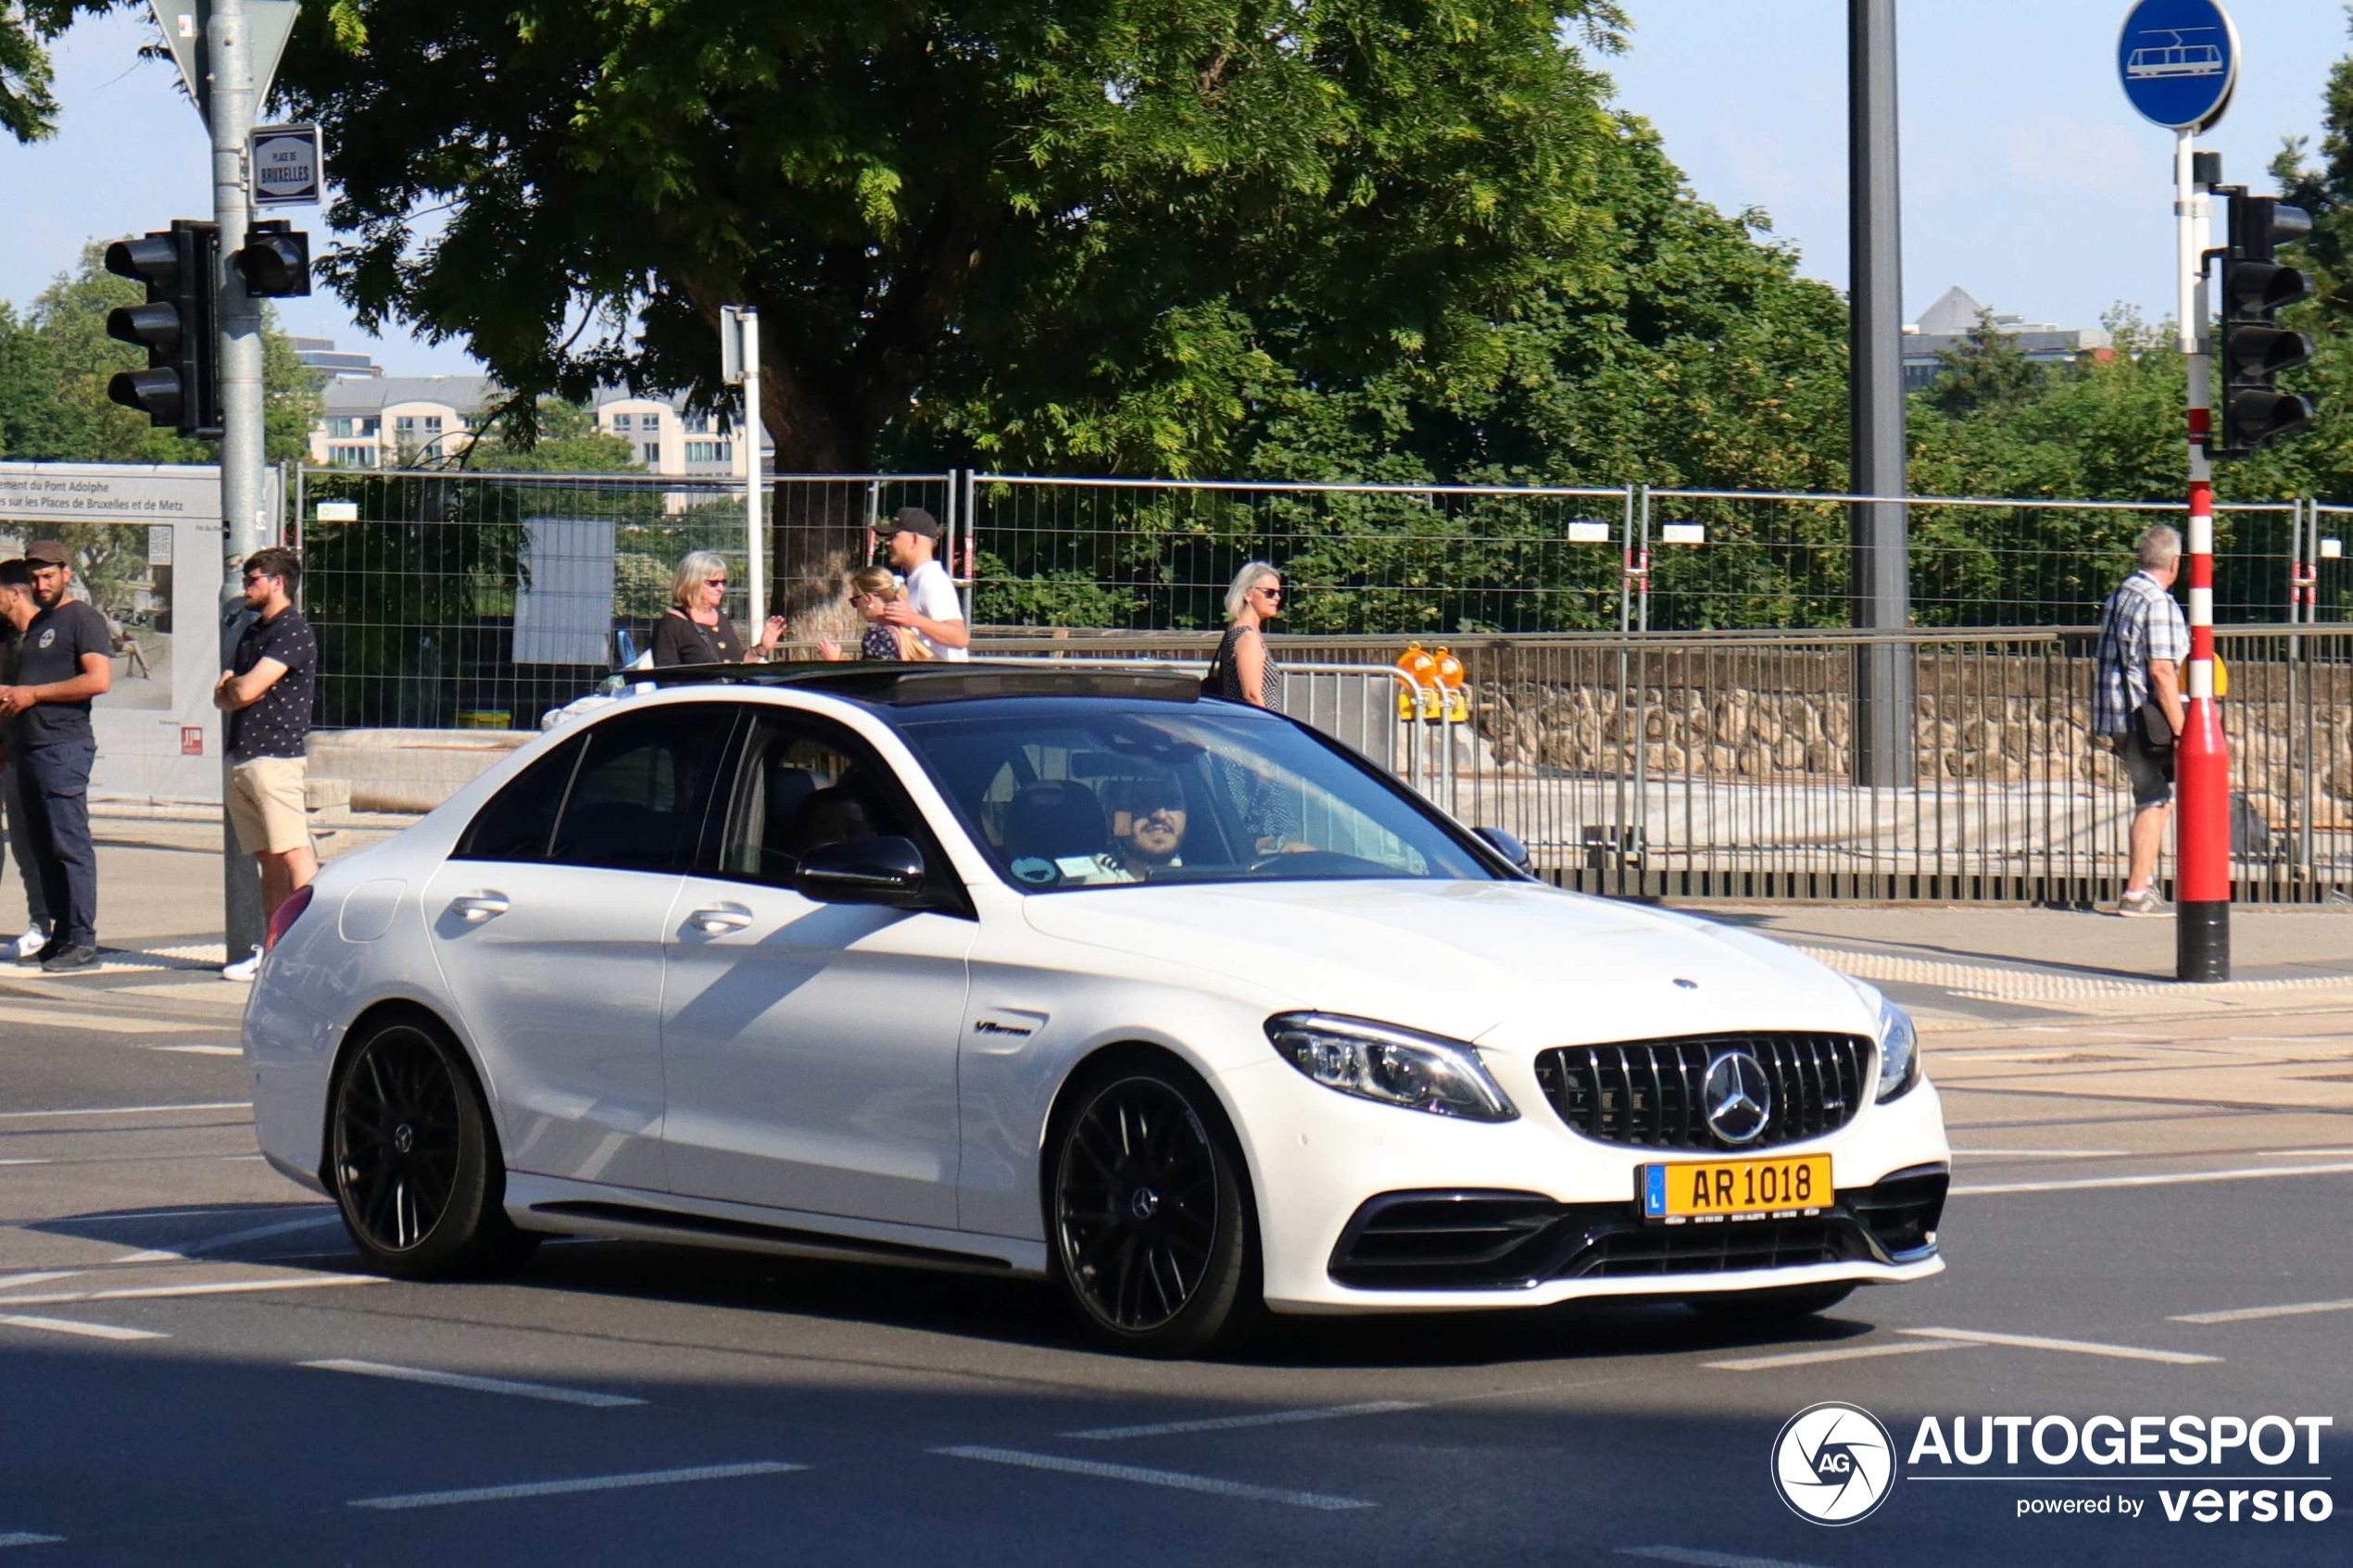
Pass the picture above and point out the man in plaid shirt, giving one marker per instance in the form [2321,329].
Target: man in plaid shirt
[2143,642]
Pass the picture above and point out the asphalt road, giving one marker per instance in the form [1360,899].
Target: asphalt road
[194,1370]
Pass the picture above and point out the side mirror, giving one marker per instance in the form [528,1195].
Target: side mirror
[863,870]
[1509,848]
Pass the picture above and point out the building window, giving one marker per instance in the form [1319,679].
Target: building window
[404,428]
[649,423]
[351,456]
[696,424]
[710,451]
[652,449]
[370,424]
[432,424]
[339,428]
[622,421]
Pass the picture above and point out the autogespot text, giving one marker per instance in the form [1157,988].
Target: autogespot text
[2156,1449]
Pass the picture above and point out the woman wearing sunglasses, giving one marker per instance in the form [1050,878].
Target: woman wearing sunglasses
[1245,671]
[696,630]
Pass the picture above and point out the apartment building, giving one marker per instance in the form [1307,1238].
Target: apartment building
[396,421]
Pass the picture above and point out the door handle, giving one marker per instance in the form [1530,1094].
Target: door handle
[478,906]
[713,919]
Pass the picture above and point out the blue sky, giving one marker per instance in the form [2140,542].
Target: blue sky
[2018,146]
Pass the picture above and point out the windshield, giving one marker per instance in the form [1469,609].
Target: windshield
[1089,793]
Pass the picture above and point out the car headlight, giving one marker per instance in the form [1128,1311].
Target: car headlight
[1380,1061]
[1899,1050]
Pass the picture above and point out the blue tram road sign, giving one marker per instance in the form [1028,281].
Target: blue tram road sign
[2179,60]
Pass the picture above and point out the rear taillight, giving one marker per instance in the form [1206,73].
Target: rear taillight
[288,912]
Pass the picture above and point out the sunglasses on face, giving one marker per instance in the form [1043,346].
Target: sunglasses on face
[1270,593]
[714,582]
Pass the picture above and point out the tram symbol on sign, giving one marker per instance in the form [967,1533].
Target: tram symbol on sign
[2179,58]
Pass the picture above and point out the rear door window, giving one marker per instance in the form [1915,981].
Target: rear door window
[520,819]
[637,800]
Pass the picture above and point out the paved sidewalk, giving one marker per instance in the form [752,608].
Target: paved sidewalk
[1958,967]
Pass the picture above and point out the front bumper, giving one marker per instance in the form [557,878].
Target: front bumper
[1368,1207]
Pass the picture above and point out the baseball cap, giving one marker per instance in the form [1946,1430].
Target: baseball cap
[48,552]
[913,519]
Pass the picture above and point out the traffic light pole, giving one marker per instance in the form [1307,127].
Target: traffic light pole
[244,529]
[2202,828]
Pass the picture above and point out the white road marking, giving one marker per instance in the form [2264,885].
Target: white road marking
[213,1244]
[87,1330]
[24,1163]
[2297,1153]
[479,1384]
[1703,1559]
[581,1484]
[202,1051]
[25,1538]
[2042,1153]
[2259,1173]
[127,1109]
[233,1287]
[1229,1423]
[1810,1358]
[2080,1347]
[1175,1479]
[2248,1314]
[10,1282]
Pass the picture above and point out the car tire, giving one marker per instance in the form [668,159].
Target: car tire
[1783,1304]
[1151,1233]
[413,1158]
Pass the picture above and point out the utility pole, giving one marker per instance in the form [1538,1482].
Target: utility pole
[740,366]
[1878,529]
[228,112]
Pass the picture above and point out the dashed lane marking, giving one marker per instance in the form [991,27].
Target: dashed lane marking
[1701,1558]
[126,1110]
[202,1051]
[2297,1153]
[154,1292]
[26,1537]
[214,1244]
[2248,1314]
[1232,1422]
[1175,1479]
[1984,1189]
[1812,1358]
[86,1330]
[25,1162]
[478,1385]
[581,1483]
[10,1282]
[2078,1347]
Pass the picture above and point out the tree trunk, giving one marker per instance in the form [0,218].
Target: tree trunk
[819,530]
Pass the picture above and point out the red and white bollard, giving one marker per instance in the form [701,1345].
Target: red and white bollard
[2202,758]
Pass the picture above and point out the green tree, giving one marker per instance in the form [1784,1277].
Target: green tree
[1986,370]
[56,359]
[564,438]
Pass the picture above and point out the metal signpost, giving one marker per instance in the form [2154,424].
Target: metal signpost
[739,364]
[2179,60]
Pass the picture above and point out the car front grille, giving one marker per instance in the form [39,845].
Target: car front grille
[1648,1092]
[1485,1240]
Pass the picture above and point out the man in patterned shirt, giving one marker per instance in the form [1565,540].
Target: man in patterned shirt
[265,692]
[2143,644]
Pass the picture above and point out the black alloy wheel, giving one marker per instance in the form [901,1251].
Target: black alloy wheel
[1151,1233]
[415,1166]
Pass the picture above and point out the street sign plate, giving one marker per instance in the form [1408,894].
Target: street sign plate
[288,166]
[2178,60]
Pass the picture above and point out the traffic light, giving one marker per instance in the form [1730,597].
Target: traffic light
[2254,351]
[181,268]
[275,263]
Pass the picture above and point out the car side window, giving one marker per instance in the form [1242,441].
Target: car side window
[520,819]
[638,798]
[802,783]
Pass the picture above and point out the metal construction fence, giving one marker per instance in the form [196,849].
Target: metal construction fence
[1719,765]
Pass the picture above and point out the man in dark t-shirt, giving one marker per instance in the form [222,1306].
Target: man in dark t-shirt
[266,693]
[66,660]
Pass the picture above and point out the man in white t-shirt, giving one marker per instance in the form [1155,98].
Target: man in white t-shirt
[929,607]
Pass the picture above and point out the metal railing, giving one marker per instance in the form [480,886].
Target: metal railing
[1719,765]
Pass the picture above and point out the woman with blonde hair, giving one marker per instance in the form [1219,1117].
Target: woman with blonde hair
[695,629]
[1245,671]
[873,590]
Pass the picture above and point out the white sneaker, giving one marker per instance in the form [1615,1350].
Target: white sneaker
[244,970]
[29,943]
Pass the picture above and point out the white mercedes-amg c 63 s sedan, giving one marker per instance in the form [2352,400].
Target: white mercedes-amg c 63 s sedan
[1174,1001]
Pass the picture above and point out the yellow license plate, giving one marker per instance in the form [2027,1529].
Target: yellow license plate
[1731,1189]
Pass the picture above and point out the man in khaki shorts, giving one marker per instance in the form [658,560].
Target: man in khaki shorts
[266,693]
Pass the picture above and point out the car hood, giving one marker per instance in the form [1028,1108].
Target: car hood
[1512,965]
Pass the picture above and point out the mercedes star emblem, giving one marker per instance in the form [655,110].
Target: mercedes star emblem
[1739,1097]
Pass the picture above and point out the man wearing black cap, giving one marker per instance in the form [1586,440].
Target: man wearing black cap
[929,607]
[65,659]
